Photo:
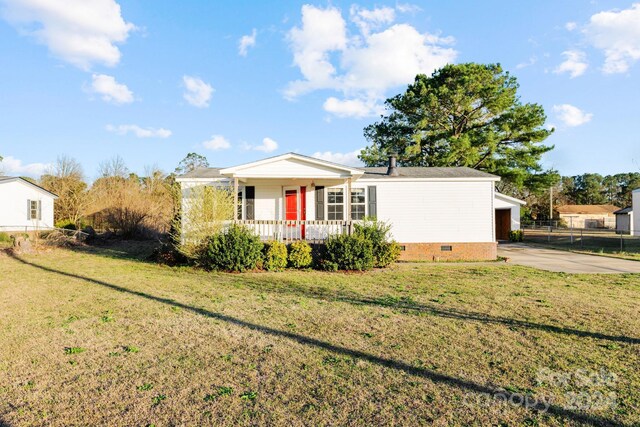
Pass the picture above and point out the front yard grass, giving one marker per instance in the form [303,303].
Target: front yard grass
[99,337]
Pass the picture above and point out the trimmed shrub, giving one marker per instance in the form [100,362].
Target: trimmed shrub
[516,235]
[235,249]
[300,255]
[5,238]
[385,251]
[344,252]
[274,256]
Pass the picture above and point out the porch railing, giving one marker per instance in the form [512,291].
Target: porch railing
[283,230]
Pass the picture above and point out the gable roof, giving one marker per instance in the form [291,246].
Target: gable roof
[624,211]
[6,179]
[587,209]
[291,157]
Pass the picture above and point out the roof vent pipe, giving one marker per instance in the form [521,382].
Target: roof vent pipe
[393,165]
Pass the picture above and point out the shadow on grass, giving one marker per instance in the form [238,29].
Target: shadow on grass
[294,288]
[539,406]
[132,250]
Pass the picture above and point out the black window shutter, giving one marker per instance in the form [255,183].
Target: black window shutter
[28,210]
[320,203]
[372,202]
[39,210]
[250,209]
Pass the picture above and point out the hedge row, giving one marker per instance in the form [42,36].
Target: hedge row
[238,249]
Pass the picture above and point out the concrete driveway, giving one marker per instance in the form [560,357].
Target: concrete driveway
[566,262]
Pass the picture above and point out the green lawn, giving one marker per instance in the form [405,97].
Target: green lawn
[98,337]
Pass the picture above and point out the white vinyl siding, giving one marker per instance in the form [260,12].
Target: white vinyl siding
[16,213]
[436,211]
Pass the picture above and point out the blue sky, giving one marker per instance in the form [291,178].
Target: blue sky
[238,81]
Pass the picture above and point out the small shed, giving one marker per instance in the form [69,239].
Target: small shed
[624,220]
[24,206]
[635,230]
[507,214]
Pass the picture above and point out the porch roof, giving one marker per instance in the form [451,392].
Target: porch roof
[290,165]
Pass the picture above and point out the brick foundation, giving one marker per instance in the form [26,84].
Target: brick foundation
[459,251]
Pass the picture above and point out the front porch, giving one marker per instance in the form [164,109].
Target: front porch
[313,231]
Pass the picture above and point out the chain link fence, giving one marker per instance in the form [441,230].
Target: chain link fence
[587,239]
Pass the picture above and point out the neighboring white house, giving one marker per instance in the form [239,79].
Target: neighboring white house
[507,215]
[24,206]
[435,213]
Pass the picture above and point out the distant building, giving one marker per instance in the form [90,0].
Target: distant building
[588,216]
[636,218]
[24,206]
[624,220]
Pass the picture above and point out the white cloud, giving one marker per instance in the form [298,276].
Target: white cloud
[322,31]
[575,63]
[617,34]
[364,66]
[110,89]
[217,142]
[348,159]
[571,116]
[81,32]
[246,42]
[570,26]
[357,108]
[408,8]
[268,145]
[198,93]
[139,131]
[12,166]
[368,19]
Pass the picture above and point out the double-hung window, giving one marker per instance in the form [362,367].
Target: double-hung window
[358,204]
[34,210]
[335,204]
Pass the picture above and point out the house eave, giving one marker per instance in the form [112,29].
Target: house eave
[509,199]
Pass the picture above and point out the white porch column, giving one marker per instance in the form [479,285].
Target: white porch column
[348,196]
[235,199]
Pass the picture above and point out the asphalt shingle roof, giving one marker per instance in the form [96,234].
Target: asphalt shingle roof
[378,173]
[426,172]
[203,173]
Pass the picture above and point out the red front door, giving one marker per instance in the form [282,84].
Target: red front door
[292,212]
[291,205]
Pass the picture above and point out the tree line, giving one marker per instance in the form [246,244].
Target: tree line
[119,200]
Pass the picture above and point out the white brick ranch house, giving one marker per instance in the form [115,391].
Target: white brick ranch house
[435,213]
